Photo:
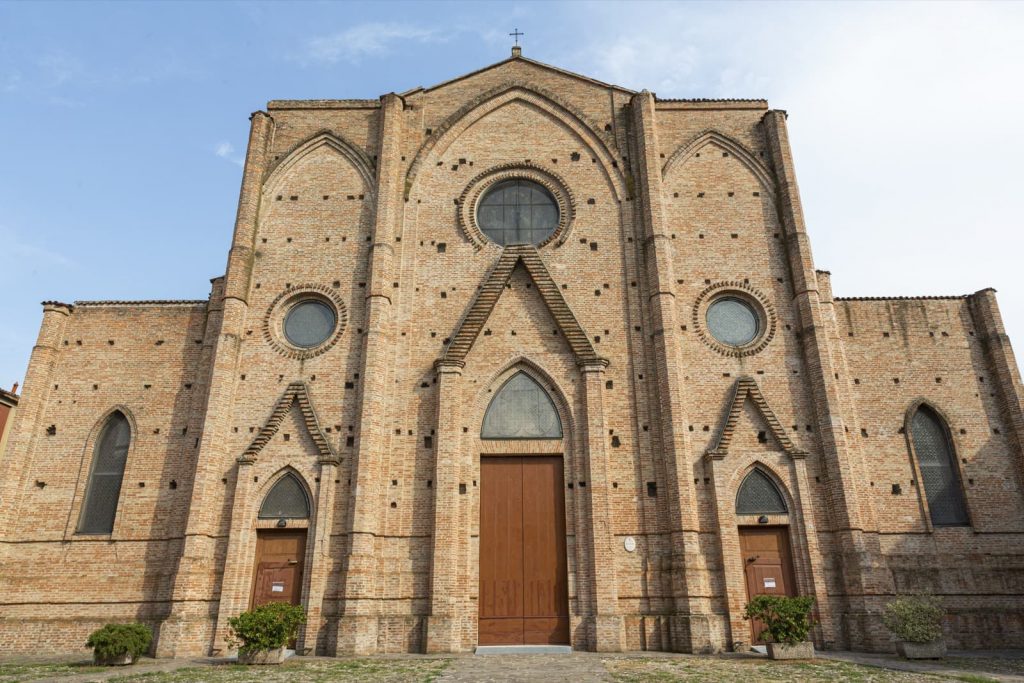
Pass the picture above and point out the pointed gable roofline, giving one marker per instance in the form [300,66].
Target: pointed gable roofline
[296,392]
[520,58]
[746,387]
[491,290]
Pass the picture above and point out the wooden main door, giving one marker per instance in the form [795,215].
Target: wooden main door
[280,555]
[524,585]
[768,565]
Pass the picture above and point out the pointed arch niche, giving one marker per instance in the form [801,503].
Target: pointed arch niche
[757,492]
[521,409]
[472,426]
[284,492]
[933,457]
[110,448]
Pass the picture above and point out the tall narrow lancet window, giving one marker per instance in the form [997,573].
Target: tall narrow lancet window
[521,410]
[286,500]
[758,495]
[939,475]
[104,487]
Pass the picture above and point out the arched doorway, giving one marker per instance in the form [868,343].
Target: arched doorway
[765,548]
[524,587]
[281,551]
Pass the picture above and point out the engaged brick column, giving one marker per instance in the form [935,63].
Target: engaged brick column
[357,627]
[690,624]
[1003,365]
[26,426]
[449,601]
[318,566]
[187,631]
[234,590]
[863,568]
[608,634]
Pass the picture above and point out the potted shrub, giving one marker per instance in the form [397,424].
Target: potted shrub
[119,644]
[261,634]
[916,621]
[787,621]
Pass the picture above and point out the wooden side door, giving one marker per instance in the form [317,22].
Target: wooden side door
[768,566]
[280,556]
[524,588]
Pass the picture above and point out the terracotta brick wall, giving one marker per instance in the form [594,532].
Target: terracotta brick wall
[364,204]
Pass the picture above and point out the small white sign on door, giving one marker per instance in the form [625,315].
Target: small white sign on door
[769,582]
[278,587]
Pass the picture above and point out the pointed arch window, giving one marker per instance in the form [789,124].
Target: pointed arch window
[934,451]
[286,500]
[758,495]
[104,488]
[521,410]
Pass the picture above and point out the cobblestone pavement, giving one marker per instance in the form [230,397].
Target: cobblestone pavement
[578,667]
[581,667]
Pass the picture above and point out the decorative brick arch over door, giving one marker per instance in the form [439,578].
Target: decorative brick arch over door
[593,616]
[269,459]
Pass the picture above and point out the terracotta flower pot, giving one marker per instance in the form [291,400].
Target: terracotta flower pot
[120,660]
[804,650]
[933,650]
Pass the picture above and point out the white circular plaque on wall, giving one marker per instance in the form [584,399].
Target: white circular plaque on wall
[629,544]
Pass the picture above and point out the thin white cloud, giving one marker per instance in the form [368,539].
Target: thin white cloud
[225,150]
[24,257]
[370,39]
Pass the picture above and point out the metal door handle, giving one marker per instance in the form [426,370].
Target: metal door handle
[293,561]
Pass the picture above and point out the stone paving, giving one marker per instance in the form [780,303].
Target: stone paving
[581,667]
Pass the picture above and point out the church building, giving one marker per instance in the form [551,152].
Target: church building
[519,358]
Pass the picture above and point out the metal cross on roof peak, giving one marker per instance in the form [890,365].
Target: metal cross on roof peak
[516,33]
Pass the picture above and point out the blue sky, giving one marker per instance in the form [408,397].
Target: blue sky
[124,124]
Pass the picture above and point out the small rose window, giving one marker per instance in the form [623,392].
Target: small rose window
[518,212]
[733,321]
[309,323]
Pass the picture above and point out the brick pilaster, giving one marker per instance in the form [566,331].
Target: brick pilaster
[195,575]
[690,630]
[448,600]
[26,427]
[863,567]
[607,622]
[357,629]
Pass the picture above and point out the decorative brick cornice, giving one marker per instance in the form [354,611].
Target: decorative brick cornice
[296,392]
[766,313]
[744,388]
[145,302]
[491,290]
[273,320]
[526,170]
[952,297]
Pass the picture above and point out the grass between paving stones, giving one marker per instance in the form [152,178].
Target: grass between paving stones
[384,670]
[1013,666]
[670,670]
[15,672]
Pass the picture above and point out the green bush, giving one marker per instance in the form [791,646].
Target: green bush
[114,641]
[915,618]
[267,627]
[786,620]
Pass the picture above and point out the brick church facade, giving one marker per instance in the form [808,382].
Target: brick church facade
[521,357]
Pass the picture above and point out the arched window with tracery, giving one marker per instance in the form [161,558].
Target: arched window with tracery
[286,500]
[758,495]
[521,410]
[939,476]
[104,488]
